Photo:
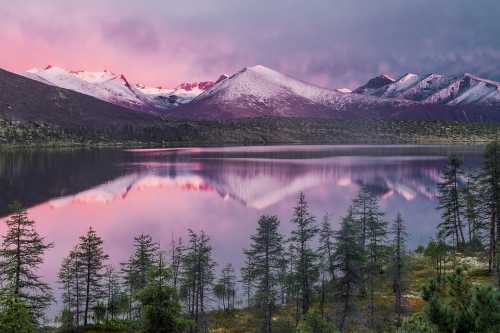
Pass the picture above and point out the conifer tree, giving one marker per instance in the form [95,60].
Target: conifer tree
[451,203]
[92,256]
[113,292]
[489,182]
[398,266]
[247,280]
[21,254]
[375,249]
[265,253]
[327,260]
[225,287]
[301,239]
[161,310]
[71,279]
[198,275]
[361,206]
[143,258]
[472,211]
[177,253]
[349,260]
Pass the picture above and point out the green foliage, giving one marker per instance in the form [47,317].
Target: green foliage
[457,305]
[99,313]
[313,322]
[264,254]
[349,260]
[15,316]
[306,269]
[66,319]
[161,310]
[417,323]
[451,203]
[21,254]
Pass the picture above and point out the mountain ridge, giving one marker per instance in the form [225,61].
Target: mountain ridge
[435,88]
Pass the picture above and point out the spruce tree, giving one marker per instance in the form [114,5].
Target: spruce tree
[489,182]
[265,253]
[226,287]
[197,277]
[112,288]
[349,260]
[451,202]
[21,254]
[92,256]
[472,211]
[361,206]
[375,250]
[161,309]
[398,266]
[247,280]
[177,253]
[143,258]
[327,260]
[301,239]
[71,279]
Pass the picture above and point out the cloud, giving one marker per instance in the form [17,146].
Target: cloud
[329,42]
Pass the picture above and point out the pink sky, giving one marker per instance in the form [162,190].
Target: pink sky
[331,43]
[100,36]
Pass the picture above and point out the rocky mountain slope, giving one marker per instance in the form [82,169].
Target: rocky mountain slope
[116,89]
[435,88]
[26,100]
[262,92]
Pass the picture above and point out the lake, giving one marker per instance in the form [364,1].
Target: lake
[223,191]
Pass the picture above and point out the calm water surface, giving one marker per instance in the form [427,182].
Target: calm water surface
[122,193]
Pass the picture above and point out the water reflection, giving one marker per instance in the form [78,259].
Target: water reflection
[223,191]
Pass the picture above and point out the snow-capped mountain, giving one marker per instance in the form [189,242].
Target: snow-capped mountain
[262,92]
[259,91]
[118,90]
[435,88]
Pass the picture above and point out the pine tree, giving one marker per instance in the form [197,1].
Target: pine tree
[21,255]
[301,238]
[375,249]
[451,203]
[113,292]
[265,253]
[361,206]
[489,182]
[247,280]
[198,274]
[92,256]
[327,261]
[127,281]
[177,253]
[143,258]
[225,288]
[71,279]
[15,316]
[398,265]
[161,310]
[349,260]
[472,212]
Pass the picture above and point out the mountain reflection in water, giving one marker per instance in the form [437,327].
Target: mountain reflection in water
[220,190]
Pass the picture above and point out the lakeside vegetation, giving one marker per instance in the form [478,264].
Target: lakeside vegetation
[251,132]
[359,278]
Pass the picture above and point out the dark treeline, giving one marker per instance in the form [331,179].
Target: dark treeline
[318,279]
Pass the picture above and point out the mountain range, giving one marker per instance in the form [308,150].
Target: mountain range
[104,99]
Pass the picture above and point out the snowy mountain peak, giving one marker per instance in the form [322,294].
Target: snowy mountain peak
[435,88]
[375,83]
[117,89]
